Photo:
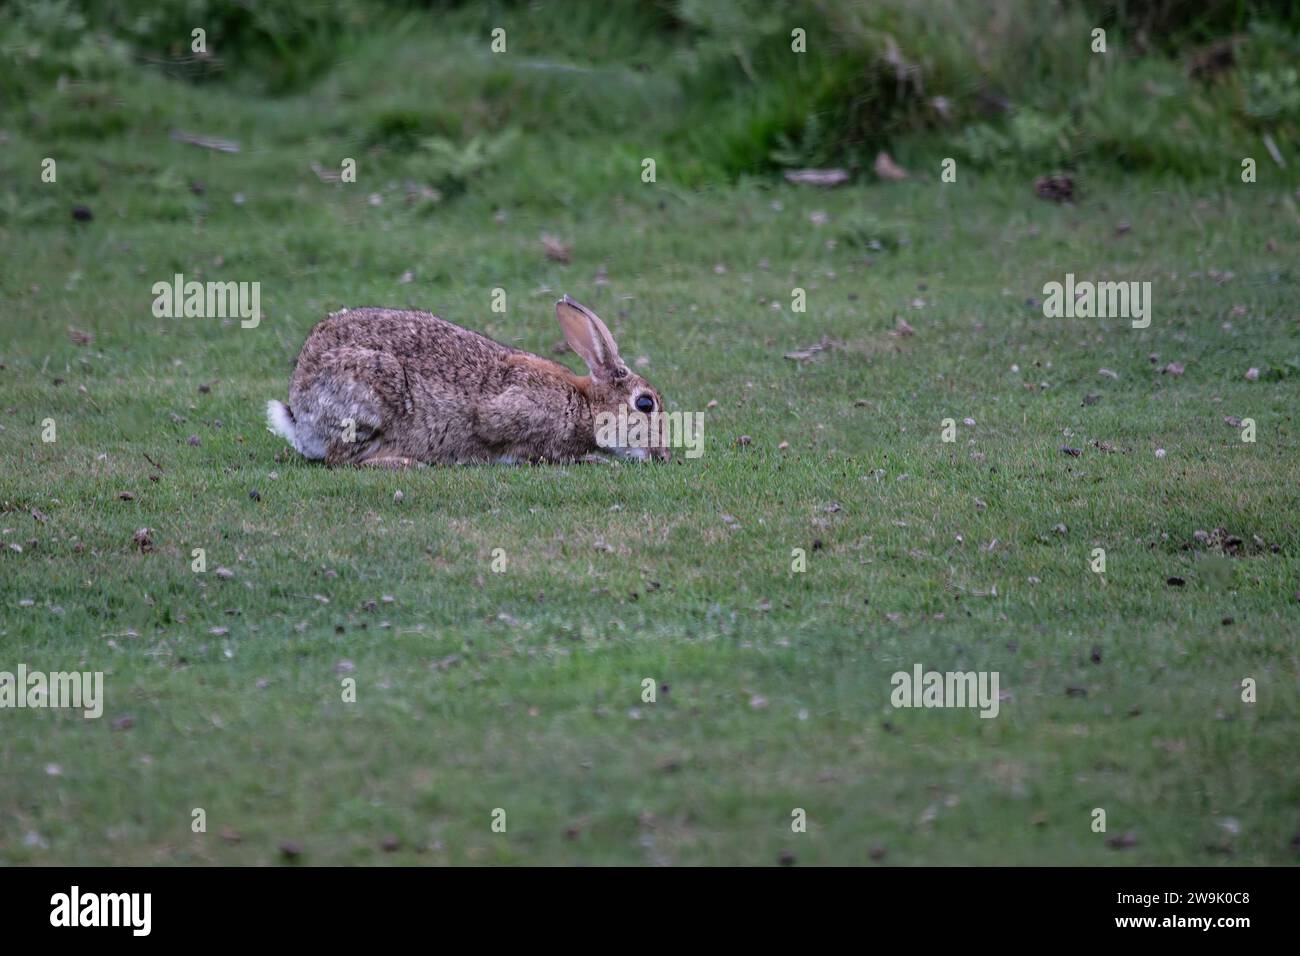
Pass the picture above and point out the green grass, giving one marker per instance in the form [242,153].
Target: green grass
[521,690]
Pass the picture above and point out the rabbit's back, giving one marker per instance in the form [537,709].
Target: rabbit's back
[423,343]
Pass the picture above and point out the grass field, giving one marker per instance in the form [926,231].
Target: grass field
[523,689]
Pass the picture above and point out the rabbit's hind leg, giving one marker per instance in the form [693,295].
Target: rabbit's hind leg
[340,418]
[337,434]
[388,461]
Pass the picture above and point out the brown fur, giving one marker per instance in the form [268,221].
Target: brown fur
[580,382]
[420,388]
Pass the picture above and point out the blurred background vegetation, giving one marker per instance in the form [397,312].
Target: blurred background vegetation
[711,89]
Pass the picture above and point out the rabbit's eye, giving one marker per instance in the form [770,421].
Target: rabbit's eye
[645,404]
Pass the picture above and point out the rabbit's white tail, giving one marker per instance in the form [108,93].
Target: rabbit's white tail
[281,421]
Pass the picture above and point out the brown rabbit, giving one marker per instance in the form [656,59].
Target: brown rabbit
[389,388]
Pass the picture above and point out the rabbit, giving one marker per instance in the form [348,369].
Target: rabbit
[390,388]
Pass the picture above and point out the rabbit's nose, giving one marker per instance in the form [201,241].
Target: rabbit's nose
[661,454]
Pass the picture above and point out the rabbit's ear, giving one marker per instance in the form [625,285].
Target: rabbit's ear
[587,336]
